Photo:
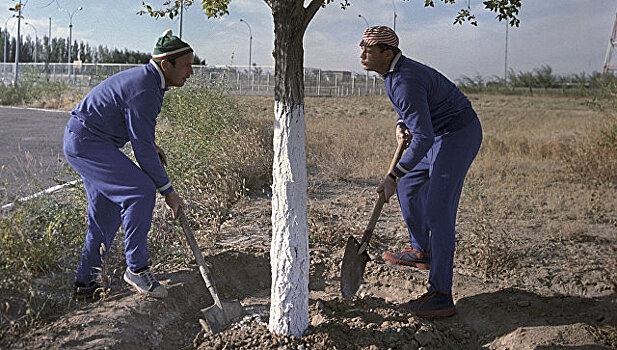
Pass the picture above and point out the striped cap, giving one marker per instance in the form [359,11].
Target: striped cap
[379,35]
[169,47]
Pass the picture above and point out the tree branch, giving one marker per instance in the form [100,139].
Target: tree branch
[311,10]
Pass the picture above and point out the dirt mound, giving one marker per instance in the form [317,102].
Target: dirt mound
[519,310]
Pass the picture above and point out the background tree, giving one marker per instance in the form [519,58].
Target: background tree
[544,77]
[289,255]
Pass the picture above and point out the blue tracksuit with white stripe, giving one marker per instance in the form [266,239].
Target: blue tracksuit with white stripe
[446,138]
[123,108]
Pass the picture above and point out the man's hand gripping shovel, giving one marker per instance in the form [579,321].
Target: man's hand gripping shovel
[356,255]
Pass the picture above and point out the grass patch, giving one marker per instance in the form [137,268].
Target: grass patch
[37,238]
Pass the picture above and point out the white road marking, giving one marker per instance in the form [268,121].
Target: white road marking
[47,191]
[37,109]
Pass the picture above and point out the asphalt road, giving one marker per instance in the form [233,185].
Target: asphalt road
[30,149]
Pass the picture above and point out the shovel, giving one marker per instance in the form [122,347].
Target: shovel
[356,256]
[220,314]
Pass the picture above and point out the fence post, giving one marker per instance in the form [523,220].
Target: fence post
[374,80]
[336,83]
[318,81]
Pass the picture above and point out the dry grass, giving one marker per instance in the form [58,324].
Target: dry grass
[531,177]
[346,137]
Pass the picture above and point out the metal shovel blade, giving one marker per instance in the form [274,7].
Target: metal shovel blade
[352,268]
[218,317]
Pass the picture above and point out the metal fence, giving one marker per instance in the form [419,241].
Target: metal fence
[236,79]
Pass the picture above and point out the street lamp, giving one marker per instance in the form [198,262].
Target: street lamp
[366,77]
[364,18]
[71,34]
[250,45]
[181,15]
[6,34]
[36,40]
[394,11]
[17,41]
[505,70]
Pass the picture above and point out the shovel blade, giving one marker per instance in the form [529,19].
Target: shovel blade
[219,317]
[352,268]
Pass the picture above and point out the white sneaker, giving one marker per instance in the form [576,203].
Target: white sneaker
[145,283]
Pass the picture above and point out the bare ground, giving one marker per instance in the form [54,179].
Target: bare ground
[520,310]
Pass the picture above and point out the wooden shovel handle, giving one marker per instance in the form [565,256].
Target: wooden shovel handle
[199,258]
[397,155]
[368,232]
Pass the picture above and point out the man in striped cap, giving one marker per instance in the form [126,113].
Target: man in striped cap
[123,108]
[445,136]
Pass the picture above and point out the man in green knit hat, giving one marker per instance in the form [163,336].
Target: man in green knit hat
[123,108]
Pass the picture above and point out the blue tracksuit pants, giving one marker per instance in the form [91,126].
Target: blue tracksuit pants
[429,197]
[119,192]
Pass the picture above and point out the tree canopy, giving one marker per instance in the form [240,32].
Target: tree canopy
[504,9]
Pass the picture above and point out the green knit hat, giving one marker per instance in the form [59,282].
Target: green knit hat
[169,47]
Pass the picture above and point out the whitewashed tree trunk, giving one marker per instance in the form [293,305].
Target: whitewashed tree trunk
[289,254]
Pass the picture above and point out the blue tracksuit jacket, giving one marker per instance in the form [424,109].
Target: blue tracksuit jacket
[428,104]
[124,108]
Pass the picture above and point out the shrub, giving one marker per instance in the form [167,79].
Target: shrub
[41,236]
[214,155]
[36,92]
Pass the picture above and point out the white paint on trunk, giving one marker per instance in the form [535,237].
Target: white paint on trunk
[289,253]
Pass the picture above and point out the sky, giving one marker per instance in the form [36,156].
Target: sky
[571,36]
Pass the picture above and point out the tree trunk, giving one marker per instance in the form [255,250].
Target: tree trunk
[289,254]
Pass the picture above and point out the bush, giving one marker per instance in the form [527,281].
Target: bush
[542,79]
[215,155]
[34,92]
[38,237]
